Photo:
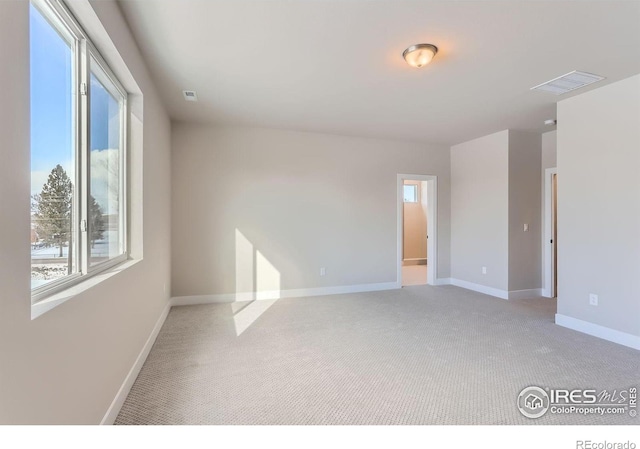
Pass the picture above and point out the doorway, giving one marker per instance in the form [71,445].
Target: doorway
[417,196]
[551,233]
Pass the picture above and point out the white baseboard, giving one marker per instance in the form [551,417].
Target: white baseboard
[502,294]
[116,405]
[525,294]
[480,288]
[280,294]
[442,281]
[622,338]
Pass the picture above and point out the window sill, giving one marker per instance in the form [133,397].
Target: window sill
[56,299]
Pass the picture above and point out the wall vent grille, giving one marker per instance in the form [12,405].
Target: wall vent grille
[190,95]
[568,82]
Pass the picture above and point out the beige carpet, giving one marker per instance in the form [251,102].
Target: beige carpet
[420,355]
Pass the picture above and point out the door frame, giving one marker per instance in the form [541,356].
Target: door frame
[548,263]
[432,225]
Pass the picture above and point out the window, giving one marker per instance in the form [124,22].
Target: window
[78,153]
[106,227]
[410,193]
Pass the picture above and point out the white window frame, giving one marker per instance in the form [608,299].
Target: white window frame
[415,189]
[115,89]
[62,20]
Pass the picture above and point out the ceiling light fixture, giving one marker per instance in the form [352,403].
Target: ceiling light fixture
[419,55]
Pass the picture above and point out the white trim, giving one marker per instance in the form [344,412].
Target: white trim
[547,259]
[503,294]
[71,291]
[480,288]
[123,392]
[278,294]
[443,281]
[432,224]
[525,294]
[621,338]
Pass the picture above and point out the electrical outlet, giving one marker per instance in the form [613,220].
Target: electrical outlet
[484,270]
[526,227]
[593,299]
[323,271]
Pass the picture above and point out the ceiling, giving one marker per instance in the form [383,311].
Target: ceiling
[336,66]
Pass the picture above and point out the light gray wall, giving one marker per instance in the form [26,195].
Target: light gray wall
[599,206]
[302,200]
[495,188]
[524,207]
[549,150]
[67,365]
[480,210]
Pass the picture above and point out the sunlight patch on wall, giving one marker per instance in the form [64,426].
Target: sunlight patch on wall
[258,284]
[244,264]
[267,277]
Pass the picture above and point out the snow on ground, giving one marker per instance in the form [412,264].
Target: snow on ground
[47,265]
[44,273]
[102,248]
[49,252]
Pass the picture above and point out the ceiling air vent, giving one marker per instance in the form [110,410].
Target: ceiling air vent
[190,95]
[566,83]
